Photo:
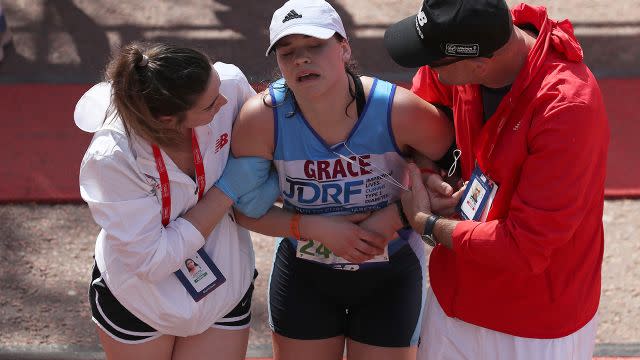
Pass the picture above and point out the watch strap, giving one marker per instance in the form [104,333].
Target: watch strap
[430,224]
[403,217]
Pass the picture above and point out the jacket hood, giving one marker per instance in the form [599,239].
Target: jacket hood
[560,33]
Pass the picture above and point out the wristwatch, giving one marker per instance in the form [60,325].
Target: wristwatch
[427,234]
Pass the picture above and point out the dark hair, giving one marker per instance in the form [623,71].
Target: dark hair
[350,68]
[150,80]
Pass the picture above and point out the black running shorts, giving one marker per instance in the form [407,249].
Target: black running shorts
[380,306]
[123,326]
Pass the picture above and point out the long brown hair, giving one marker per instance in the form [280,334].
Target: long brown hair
[150,80]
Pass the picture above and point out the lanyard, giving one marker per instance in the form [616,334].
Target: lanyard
[164,176]
[380,172]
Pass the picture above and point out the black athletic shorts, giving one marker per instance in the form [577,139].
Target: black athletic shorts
[123,326]
[380,306]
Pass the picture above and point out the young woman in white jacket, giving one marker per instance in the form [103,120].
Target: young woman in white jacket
[152,179]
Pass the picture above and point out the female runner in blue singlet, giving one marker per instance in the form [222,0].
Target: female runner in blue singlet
[339,143]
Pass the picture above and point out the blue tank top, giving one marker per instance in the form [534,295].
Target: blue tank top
[362,173]
[355,175]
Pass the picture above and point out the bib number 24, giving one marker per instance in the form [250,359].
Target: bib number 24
[317,252]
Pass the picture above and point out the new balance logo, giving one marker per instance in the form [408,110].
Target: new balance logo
[221,142]
[291,15]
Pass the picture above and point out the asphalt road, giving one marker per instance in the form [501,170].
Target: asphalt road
[46,258]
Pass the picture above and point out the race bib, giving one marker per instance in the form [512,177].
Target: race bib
[315,251]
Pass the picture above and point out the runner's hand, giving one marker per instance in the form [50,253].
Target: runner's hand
[343,236]
[384,222]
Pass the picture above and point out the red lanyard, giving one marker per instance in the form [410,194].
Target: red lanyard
[164,176]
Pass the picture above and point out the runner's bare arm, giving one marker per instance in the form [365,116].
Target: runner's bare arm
[338,233]
[425,132]
[253,129]
[420,127]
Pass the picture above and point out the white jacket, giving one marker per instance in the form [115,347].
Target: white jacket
[136,255]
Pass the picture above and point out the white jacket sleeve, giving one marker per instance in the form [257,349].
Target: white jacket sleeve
[236,83]
[124,204]
[246,90]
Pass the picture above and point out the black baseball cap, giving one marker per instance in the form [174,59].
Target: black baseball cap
[449,28]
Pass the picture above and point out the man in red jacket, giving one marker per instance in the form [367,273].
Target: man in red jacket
[517,274]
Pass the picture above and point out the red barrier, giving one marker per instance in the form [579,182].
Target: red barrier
[43,148]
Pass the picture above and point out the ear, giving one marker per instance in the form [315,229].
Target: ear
[346,51]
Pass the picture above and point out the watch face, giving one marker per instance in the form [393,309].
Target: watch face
[429,240]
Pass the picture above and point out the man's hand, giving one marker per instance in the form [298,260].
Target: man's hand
[443,195]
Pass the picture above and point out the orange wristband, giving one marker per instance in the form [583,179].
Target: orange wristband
[294,225]
[428,171]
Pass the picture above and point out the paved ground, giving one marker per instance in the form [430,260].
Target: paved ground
[45,251]
[45,264]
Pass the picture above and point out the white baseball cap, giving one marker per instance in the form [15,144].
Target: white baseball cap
[315,18]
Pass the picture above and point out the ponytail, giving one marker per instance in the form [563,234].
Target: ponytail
[154,80]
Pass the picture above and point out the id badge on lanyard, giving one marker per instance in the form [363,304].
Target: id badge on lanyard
[199,275]
[478,197]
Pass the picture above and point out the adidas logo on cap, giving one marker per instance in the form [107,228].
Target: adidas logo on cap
[291,15]
[315,18]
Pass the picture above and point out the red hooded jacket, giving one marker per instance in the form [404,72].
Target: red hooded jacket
[533,268]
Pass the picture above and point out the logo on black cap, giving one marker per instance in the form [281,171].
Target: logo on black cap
[291,15]
[462,49]
[421,19]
